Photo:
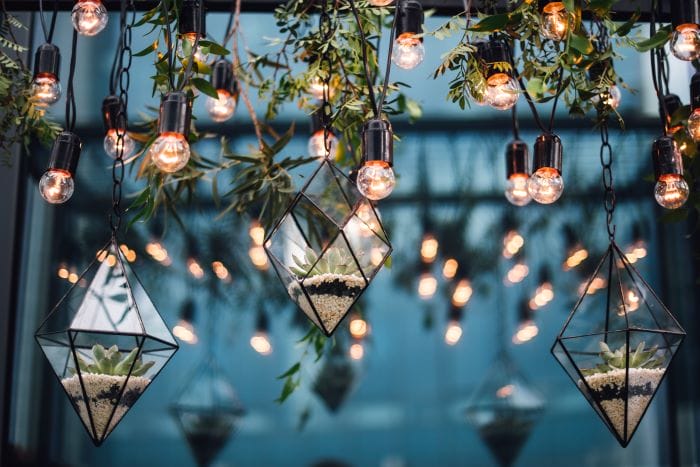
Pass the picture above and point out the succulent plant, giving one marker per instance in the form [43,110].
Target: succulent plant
[110,362]
[334,261]
[616,360]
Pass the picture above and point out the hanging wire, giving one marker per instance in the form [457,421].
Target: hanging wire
[388,61]
[516,123]
[48,32]
[657,75]
[169,41]
[325,30]
[365,61]
[556,99]
[123,80]
[188,71]
[528,98]
[70,95]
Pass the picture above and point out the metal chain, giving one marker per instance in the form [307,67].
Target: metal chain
[123,81]
[606,160]
[325,30]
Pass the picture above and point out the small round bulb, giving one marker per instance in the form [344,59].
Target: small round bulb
[317,145]
[516,189]
[46,89]
[671,191]
[545,185]
[89,17]
[56,186]
[376,180]
[501,91]
[191,38]
[408,52]
[170,152]
[260,342]
[610,98]
[453,332]
[380,2]
[554,23]
[112,145]
[685,42]
[694,125]
[221,109]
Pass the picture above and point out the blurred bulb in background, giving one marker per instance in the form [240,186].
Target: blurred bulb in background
[222,108]
[554,22]
[56,186]
[358,327]
[89,17]
[356,351]
[408,52]
[427,285]
[112,145]
[260,342]
[453,332]
[694,125]
[429,248]
[317,86]
[317,145]
[685,42]
[517,192]
[184,47]
[501,91]
[170,152]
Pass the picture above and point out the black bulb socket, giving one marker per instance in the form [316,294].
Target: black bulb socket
[65,152]
[410,18]
[378,141]
[666,157]
[672,103]
[222,77]
[113,113]
[492,52]
[695,91]
[517,158]
[47,60]
[685,12]
[175,113]
[548,152]
[187,311]
[192,19]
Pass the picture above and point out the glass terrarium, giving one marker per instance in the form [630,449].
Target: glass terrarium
[504,410]
[327,247]
[208,412]
[617,344]
[106,342]
[336,379]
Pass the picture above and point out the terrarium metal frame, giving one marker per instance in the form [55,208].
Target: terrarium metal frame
[614,259]
[80,366]
[340,179]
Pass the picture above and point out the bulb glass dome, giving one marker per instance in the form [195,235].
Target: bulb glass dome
[685,42]
[170,152]
[56,186]
[46,89]
[554,23]
[112,145]
[317,147]
[610,99]
[545,185]
[516,189]
[376,180]
[221,109]
[671,191]
[694,125]
[501,91]
[380,2]
[408,51]
[89,17]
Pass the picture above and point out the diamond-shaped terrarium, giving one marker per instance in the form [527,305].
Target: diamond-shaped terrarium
[208,412]
[504,409]
[616,346]
[105,342]
[327,247]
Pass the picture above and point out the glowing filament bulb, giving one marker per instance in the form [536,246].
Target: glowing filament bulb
[427,285]
[501,91]
[671,191]
[545,185]
[512,243]
[516,189]
[610,98]
[56,186]
[89,17]
[221,109]
[170,152]
[408,51]
[376,180]
[685,42]
[184,330]
[317,145]
[46,89]
[317,86]
[112,144]
[694,125]
[449,269]
[429,248]
[462,293]
[260,342]
[554,23]
[453,332]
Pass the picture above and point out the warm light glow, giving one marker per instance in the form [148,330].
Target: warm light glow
[184,331]
[517,273]
[261,343]
[220,271]
[453,332]
[63,272]
[170,152]
[408,51]
[194,268]
[128,253]
[258,257]
[221,109]
[543,295]
[56,186]
[380,2]
[429,248]
[369,219]
[89,17]
[376,180]
[317,145]
[636,251]
[516,189]
[191,38]
[112,145]
[555,21]
[358,327]
[376,256]
[512,243]
[158,253]
[694,125]
[357,351]
[73,277]
[316,87]
[612,97]
[502,91]
[46,89]
[685,42]
[505,391]
[671,191]
[597,284]
[545,185]
[462,293]
[576,256]
[631,304]
[526,332]
[449,269]
[256,233]
[427,285]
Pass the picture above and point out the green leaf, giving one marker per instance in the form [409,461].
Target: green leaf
[292,370]
[581,43]
[289,386]
[147,50]
[205,87]
[491,23]
[214,48]
[625,28]
[657,40]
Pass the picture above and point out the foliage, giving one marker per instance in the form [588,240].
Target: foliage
[110,362]
[333,261]
[618,359]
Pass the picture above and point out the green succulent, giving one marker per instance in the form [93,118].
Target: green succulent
[616,360]
[334,261]
[110,362]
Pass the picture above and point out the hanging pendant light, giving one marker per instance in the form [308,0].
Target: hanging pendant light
[546,184]
[89,17]
[222,79]
[114,119]
[56,185]
[502,90]
[409,50]
[170,152]
[375,179]
[517,173]
[192,27]
[554,20]
[685,19]
[46,88]
[671,190]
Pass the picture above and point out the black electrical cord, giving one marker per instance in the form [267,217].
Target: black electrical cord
[70,95]
[388,60]
[516,123]
[655,73]
[169,40]
[365,61]
[528,98]
[48,32]
[556,100]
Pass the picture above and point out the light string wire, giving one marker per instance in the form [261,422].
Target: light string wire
[123,80]
[188,70]
[48,32]
[515,122]
[523,88]
[325,31]
[168,36]
[70,94]
[656,73]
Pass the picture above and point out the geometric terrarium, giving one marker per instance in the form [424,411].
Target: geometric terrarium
[208,412]
[504,409]
[327,246]
[105,342]
[616,346]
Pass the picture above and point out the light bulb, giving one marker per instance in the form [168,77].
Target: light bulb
[685,42]
[184,330]
[316,87]
[170,152]
[516,189]
[221,109]
[671,191]
[694,125]
[317,145]
[376,180]
[46,89]
[191,38]
[56,186]
[409,51]
[427,286]
[429,248]
[453,333]
[545,185]
[610,98]
[380,2]
[89,17]
[112,145]
[358,327]
[356,351]
[554,23]
[501,91]
[261,343]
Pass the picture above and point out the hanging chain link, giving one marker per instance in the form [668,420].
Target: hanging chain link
[123,81]
[325,30]
[606,160]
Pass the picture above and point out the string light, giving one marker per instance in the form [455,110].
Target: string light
[114,119]
[546,184]
[462,293]
[517,173]
[449,268]
[637,250]
[380,2]
[694,118]
[128,253]
[358,327]
[544,292]
[502,90]
[427,285]
[46,89]
[170,152]
[408,51]
[685,40]
[517,273]
[194,268]
[671,190]
[223,106]
[527,328]
[158,252]
[258,257]
[63,272]
[375,179]
[260,341]
[512,243]
[184,329]
[356,351]
[221,271]
[192,27]
[89,17]
[429,248]
[554,22]
[56,185]
[598,283]
[453,331]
